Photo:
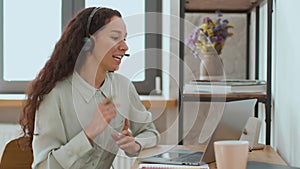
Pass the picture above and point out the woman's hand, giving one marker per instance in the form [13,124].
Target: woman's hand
[102,117]
[125,140]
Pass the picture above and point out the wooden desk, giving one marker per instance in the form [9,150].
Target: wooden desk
[267,155]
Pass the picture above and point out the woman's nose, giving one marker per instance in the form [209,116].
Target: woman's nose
[123,46]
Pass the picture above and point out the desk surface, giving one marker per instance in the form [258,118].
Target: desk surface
[267,155]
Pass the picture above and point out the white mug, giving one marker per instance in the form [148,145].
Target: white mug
[231,154]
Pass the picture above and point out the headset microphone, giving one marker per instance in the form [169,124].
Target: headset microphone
[127,54]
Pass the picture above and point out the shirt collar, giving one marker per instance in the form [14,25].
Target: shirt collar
[106,87]
[87,91]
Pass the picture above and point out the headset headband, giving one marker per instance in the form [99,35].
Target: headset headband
[90,20]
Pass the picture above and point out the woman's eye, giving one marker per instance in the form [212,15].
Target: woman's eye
[114,38]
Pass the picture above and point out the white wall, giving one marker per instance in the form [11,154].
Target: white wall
[286,80]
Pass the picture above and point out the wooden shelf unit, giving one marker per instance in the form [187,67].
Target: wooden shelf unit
[234,6]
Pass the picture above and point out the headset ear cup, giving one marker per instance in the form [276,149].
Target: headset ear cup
[88,45]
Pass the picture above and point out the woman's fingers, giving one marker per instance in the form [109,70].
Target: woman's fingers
[126,143]
[102,117]
[126,133]
[125,140]
[126,125]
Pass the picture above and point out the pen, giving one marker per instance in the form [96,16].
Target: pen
[110,99]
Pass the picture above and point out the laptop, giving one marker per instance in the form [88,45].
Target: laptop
[230,127]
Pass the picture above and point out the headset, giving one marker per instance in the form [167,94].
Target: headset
[89,42]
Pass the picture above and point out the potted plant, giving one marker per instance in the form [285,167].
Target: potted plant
[206,43]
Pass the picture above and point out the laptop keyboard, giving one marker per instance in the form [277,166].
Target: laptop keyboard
[190,158]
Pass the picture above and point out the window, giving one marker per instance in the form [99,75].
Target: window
[29,32]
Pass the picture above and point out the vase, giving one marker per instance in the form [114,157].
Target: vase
[211,67]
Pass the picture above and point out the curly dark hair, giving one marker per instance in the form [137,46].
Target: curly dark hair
[61,63]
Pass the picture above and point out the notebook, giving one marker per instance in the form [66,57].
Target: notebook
[230,127]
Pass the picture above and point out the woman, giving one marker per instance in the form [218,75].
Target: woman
[69,115]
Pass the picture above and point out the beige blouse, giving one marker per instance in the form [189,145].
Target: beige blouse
[60,141]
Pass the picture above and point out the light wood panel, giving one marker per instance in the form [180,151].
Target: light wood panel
[147,101]
[228,5]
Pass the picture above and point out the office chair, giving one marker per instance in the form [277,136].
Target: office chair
[14,157]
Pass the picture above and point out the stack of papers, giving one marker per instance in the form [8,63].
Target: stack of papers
[225,86]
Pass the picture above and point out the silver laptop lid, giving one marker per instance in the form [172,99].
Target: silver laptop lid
[229,127]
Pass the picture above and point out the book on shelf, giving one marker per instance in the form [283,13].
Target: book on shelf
[167,166]
[225,86]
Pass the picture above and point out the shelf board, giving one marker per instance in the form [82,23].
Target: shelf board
[223,97]
[223,5]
